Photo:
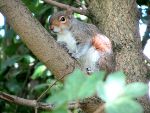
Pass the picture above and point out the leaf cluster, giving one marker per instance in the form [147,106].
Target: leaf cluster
[118,96]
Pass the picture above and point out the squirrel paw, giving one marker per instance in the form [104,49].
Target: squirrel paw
[89,70]
[75,55]
[63,45]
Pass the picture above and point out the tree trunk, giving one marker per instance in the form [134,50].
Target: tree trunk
[119,20]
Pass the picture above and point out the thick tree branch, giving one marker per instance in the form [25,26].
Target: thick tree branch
[64,6]
[37,38]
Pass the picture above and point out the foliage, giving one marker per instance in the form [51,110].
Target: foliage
[22,74]
[114,91]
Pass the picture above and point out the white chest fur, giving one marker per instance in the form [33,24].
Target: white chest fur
[68,38]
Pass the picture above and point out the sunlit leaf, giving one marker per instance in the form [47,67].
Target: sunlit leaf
[29,58]
[38,71]
[136,89]
[123,105]
[118,77]
[112,87]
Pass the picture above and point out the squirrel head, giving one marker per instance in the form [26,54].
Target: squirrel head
[60,21]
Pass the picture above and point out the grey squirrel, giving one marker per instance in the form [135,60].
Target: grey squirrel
[84,41]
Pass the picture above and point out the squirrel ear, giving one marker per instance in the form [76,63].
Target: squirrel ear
[69,12]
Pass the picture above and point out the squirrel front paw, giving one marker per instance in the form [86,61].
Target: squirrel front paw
[75,55]
[89,70]
[63,45]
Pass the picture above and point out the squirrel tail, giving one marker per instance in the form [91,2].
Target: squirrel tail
[101,43]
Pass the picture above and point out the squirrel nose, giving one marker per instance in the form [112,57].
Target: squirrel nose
[51,27]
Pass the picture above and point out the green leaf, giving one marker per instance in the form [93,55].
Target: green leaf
[13,86]
[73,84]
[88,87]
[123,105]
[40,86]
[101,93]
[136,89]
[116,77]
[112,88]
[58,99]
[10,61]
[38,71]
[28,58]
[11,49]
[77,86]
[43,9]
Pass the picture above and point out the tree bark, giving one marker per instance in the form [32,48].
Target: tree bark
[37,39]
[119,20]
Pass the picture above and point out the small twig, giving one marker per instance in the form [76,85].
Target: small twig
[100,109]
[24,86]
[64,6]
[32,103]
[49,87]
[25,102]
[36,110]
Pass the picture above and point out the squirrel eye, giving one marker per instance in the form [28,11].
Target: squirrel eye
[62,18]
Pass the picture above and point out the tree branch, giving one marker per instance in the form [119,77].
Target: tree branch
[37,39]
[25,102]
[31,103]
[64,6]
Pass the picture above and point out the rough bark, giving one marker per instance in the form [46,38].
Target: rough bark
[37,39]
[118,19]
